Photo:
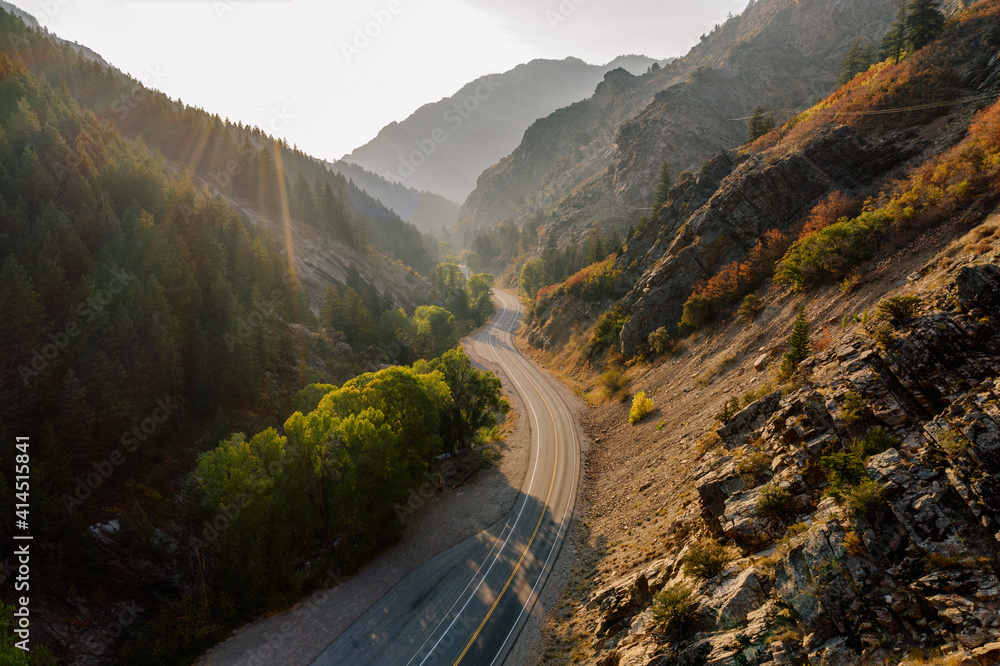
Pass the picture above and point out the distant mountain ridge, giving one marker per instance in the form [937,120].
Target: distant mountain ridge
[596,162]
[425,210]
[444,146]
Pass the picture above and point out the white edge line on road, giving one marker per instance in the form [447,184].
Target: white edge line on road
[556,547]
[523,505]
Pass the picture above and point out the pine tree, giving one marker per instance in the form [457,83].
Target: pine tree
[924,23]
[869,56]
[304,202]
[330,314]
[858,59]
[21,324]
[849,68]
[894,41]
[760,124]
[798,344]
[663,185]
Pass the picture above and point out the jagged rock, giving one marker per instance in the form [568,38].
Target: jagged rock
[979,286]
[610,659]
[737,598]
[695,654]
[809,579]
[639,655]
[757,196]
[619,600]
[760,623]
[988,654]
[737,431]
[742,523]
[835,652]
[918,572]
[661,571]
[919,502]
[967,601]
[714,488]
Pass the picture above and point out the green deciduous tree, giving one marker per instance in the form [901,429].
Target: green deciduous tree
[532,277]
[436,330]
[409,408]
[373,478]
[236,482]
[476,395]
[480,290]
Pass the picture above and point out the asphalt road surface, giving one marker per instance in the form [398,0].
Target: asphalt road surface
[468,604]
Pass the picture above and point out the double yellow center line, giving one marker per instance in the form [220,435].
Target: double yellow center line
[541,516]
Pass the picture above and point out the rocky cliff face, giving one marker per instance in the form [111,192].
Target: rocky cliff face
[715,218]
[759,193]
[598,160]
[847,577]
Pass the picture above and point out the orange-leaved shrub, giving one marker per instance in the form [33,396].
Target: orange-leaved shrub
[593,283]
[915,90]
[828,211]
[736,279]
[936,191]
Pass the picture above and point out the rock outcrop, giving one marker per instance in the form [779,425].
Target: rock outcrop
[904,556]
[762,192]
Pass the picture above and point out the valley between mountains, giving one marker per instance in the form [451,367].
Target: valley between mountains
[686,360]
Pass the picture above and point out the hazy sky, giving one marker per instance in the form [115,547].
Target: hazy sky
[306,71]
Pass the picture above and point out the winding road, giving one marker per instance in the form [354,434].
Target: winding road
[468,604]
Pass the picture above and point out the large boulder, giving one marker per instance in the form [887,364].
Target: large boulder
[740,596]
[979,286]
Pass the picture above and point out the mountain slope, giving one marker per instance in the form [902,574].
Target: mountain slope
[836,509]
[238,161]
[853,142]
[780,54]
[442,147]
[428,212]
[31,22]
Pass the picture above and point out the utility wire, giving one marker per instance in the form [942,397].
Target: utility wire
[882,112]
